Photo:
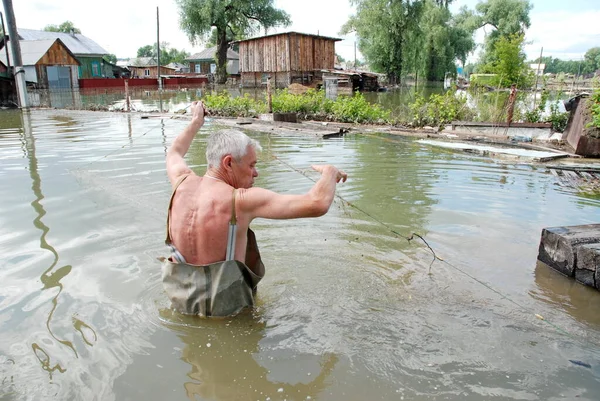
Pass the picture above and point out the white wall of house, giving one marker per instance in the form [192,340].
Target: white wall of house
[30,73]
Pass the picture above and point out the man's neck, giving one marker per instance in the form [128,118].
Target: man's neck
[215,175]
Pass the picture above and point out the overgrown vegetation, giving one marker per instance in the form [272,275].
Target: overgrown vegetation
[435,111]
[311,105]
[439,109]
[595,109]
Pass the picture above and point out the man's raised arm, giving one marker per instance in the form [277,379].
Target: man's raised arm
[176,166]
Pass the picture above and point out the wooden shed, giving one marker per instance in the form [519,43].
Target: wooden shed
[287,58]
[48,63]
[146,67]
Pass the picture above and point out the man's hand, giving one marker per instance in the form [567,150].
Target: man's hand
[198,111]
[327,168]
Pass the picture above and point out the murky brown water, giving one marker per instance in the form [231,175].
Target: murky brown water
[347,310]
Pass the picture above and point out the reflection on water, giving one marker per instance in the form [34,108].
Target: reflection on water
[347,310]
[566,294]
[226,362]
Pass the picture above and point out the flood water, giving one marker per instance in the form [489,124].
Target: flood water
[347,310]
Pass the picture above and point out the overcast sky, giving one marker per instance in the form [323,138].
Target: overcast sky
[565,28]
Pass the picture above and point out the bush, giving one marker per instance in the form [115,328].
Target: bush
[594,103]
[356,109]
[439,109]
[312,102]
[224,105]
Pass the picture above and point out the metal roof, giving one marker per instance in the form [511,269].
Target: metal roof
[289,33]
[31,50]
[142,62]
[78,44]
[209,54]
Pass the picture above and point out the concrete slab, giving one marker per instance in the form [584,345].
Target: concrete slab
[488,149]
[559,245]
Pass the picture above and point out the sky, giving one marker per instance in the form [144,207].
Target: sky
[565,29]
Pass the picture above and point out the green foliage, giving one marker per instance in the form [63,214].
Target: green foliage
[556,66]
[591,60]
[111,58]
[167,54]
[509,63]
[594,103]
[223,104]
[403,36]
[65,27]
[439,109]
[356,109]
[147,51]
[559,120]
[387,34]
[507,17]
[312,104]
[199,17]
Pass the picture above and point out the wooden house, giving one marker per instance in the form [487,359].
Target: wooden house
[87,52]
[205,62]
[287,58]
[146,67]
[47,63]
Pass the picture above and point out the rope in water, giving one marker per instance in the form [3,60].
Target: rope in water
[392,230]
[435,256]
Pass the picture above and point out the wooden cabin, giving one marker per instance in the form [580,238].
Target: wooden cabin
[87,52]
[146,67]
[287,58]
[48,64]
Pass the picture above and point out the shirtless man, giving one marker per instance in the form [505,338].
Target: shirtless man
[202,207]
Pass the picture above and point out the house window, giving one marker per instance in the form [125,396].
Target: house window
[197,68]
[95,69]
[146,72]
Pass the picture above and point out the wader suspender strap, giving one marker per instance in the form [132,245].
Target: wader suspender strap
[231,234]
[181,179]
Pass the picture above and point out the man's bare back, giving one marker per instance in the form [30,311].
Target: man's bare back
[200,216]
[202,206]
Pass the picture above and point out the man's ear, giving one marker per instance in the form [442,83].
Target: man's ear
[226,162]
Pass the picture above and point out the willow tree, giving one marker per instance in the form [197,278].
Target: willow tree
[199,17]
[385,31]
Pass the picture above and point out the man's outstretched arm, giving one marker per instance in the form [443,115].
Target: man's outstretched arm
[259,202]
[176,166]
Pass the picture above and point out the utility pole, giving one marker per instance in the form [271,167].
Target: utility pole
[537,73]
[158,50]
[19,71]
[355,54]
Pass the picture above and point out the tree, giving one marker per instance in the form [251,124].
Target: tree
[445,38]
[591,60]
[398,37]
[509,62]
[65,27]
[147,51]
[340,59]
[167,53]
[111,58]
[506,17]
[199,17]
[387,34]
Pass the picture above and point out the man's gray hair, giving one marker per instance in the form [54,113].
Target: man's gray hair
[228,142]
